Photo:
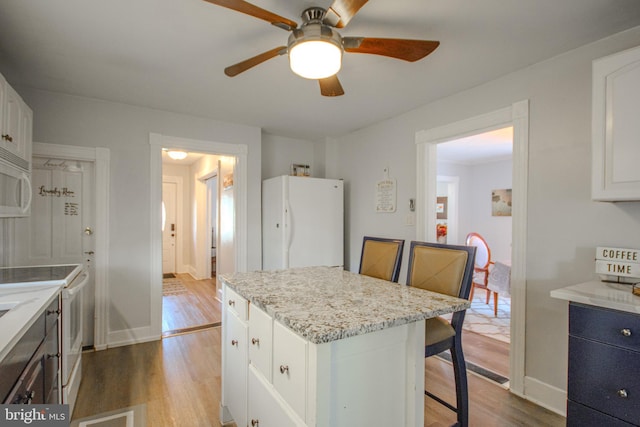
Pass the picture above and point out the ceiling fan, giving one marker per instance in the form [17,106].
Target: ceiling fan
[315,49]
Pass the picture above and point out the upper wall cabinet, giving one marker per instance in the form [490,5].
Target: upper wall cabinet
[616,127]
[16,123]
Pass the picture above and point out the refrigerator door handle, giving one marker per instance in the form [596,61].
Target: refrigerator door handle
[288,225]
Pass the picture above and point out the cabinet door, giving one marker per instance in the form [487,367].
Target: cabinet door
[290,367]
[260,340]
[265,408]
[615,127]
[12,128]
[235,369]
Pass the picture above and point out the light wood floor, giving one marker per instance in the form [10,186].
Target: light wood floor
[486,352]
[178,378]
[197,307]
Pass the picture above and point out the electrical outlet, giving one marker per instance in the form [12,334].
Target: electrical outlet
[410,219]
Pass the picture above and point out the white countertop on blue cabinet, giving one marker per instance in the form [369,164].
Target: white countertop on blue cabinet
[616,296]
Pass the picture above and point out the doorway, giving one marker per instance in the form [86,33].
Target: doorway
[189,203]
[516,115]
[480,166]
[69,224]
[235,191]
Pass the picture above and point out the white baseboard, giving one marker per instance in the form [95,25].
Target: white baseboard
[131,336]
[545,395]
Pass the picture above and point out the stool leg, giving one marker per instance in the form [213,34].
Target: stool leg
[460,374]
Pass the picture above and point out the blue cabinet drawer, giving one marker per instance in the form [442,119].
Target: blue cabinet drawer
[581,416]
[605,378]
[609,326]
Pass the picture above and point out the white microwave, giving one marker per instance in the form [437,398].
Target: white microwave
[15,190]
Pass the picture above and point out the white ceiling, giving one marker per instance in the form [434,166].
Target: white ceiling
[170,54]
[477,149]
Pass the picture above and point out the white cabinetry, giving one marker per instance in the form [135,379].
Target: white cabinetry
[16,121]
[372,379]
[234,359]
[615,127]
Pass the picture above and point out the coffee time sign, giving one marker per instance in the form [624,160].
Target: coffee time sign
[618,262]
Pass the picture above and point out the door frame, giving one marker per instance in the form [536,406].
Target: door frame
[157,142]
[179,219]
[101,158]
[516,115]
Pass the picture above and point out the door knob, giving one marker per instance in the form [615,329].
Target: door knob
[88,231]
[89,252]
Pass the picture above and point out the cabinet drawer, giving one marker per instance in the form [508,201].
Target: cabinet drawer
[266,409]
[581,416]
[234,386]
[604,378]
[260,340]
[235,303]
[290,367]
[608,326]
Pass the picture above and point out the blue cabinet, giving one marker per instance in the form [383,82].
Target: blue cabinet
[604,367]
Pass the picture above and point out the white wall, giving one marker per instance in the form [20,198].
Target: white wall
[496,230]
[279,153]
[124,129]
[564,225]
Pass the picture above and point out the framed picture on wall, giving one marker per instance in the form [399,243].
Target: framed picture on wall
[501,202]
[441,207]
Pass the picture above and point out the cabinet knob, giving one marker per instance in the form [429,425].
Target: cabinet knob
[51,356]
[255,341]
[53,312]
[7,137]
[254,423]
[623,393]
[284,368]
[626,332]
[232,302]
[234,342]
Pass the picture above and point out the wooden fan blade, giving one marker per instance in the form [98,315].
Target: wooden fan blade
[331,86]
[405,49]
[252,10]
[238,68]
[341,12]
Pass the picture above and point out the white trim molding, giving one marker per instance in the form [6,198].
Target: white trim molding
[516,115]
[240,178]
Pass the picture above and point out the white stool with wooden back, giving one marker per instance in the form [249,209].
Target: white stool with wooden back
[481,268]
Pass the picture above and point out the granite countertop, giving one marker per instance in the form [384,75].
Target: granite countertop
[25,305]
[616,296]
[324,304]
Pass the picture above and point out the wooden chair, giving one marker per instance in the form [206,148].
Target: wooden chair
[481,268]
[381,258]
[446,269]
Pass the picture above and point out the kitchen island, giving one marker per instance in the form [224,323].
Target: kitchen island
[320,346]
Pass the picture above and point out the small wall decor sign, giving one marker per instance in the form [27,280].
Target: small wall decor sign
[386,194]
[227,181]
[501,202]
[618,264]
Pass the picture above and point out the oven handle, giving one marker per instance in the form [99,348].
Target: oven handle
[77,285]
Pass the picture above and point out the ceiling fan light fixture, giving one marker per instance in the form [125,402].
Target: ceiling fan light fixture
[177,155]
[315,59]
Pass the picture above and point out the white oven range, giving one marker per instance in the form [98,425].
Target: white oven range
[71,339]
[73,277]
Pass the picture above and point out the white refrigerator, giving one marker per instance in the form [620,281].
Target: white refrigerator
[302,222]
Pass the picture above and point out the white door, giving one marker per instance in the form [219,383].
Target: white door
[169,227]
[60,228]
